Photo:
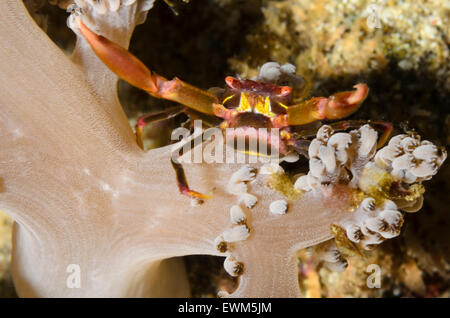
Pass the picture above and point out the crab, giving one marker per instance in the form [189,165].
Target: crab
[245,104]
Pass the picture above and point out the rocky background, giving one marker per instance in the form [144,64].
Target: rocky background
[399,48]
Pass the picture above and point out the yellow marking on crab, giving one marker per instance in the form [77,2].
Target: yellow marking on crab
[227,99]
[244,103]
[266,109]
[261,106]
[284,106]
[256,154]
[255,103]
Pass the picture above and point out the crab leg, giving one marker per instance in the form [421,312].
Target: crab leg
[132,70]
[301,146]
[208,121]
[181,177]
[152,118]
[337,106]
[183,185]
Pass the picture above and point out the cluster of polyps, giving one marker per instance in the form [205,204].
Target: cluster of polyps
[93,8]
[371,224]
[334,156]
[410,160]
[238,185]
[239,231]
[351,159]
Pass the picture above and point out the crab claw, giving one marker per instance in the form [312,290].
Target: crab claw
[339,105]
[343,104]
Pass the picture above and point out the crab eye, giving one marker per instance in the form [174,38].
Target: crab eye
[232,82]
[285,90]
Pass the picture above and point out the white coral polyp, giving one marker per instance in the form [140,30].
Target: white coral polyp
[236,234]
[237,215]
[271,168]
[331,257]
[340,142]
[278,207]
[233,267]
[248,199]
[367,141]
[302,183]
[272,71]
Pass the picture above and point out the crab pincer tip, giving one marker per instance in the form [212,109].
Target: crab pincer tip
[358,96]
[195,195]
